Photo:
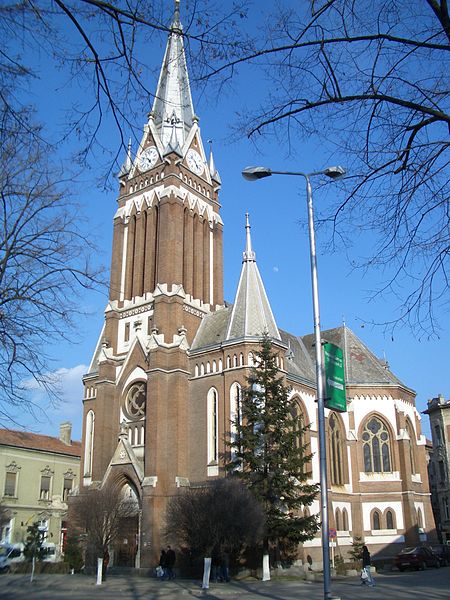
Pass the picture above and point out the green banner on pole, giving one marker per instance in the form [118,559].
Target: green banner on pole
[335,397]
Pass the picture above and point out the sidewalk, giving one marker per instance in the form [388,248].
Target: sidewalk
[428,585]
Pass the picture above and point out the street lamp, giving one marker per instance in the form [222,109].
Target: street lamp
[252,174]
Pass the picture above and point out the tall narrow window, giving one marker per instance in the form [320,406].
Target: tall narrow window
[45,487]
[10,484]
[376,520]
[344,519]
[67,488]
[411,447]
[89,443]
[419,519]
[376,447]
[336,451]
[213,423]
[389,520]
[338,519]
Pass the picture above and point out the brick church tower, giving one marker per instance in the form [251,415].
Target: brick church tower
[165,383]
[166,274]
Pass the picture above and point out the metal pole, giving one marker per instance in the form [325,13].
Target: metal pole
[320,394]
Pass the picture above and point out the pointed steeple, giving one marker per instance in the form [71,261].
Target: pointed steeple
[126,167]
[172,107]
[251,316]
[212,167]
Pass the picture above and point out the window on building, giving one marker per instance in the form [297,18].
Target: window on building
[10,484]
[126,336]
[344,519]
[389,520]
[376,447]
[419,519]
[411,447]
[336,450]
[45,487]
[67,487]
[376,520]
[89,444]
[338,519]
[43,528]
[213,424]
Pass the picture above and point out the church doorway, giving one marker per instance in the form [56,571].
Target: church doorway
[126,545]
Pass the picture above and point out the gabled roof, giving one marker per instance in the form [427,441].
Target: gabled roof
[362,367]
[34,441]
[173,109]
[212,329]
[252,315]
[298,362]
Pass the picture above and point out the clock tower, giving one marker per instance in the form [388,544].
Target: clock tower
[166,275]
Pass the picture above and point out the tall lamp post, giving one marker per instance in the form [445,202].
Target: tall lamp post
[252,174]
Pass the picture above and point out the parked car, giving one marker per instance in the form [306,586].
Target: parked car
[417,557]
[9,555]
[443,553]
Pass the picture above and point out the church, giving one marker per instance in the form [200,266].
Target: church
[165,379]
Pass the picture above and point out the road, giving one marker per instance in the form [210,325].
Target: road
[427,585]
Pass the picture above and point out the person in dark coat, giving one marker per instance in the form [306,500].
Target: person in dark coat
[170,561]
[225,566]
[366,567]
[162,564]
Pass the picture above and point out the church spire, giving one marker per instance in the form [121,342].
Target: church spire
[248,254]
[173,107]
[251,316]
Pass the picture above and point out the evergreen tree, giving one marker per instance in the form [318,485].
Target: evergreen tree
[72,552]
[34,543]
[269,454]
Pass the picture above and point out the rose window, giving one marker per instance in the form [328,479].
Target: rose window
[135,402]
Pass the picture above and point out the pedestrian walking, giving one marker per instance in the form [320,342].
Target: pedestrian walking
[170,561]
[161,569]
[366,575]
[225,566]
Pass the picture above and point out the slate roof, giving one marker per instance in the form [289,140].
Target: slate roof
[212,329]
[251,316]
[34,441]
[361,365]
[173,101]
[298,362]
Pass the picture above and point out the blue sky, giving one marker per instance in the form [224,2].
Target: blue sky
[277,215]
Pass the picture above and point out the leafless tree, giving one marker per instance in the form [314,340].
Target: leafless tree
[371,78]
[44,263]
[222,514]
[100,51]
[103,515]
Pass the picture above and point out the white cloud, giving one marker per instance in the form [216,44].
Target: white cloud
[69,407]
[275,269]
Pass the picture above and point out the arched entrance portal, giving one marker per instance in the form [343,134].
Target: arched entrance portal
[125,548]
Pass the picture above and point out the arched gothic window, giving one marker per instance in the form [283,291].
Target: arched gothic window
[411,447]
[213,426]
[419,519]
[89,443]
[376,520]
[235,405]
[338,519]
[344,519]
[336,447]
[389,520]
[376,447]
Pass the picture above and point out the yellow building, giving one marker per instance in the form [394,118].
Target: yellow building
[37,473]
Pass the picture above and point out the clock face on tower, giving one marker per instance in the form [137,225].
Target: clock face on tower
[148,158]
[194,161]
